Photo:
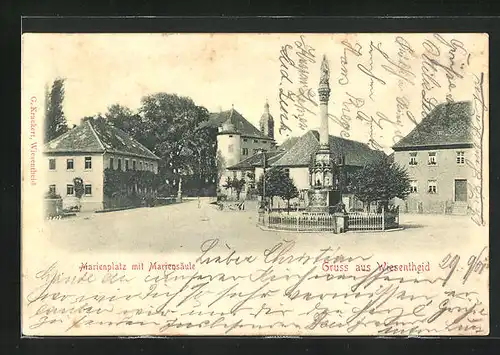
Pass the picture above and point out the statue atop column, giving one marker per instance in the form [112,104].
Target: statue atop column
[324,80]
[325,71]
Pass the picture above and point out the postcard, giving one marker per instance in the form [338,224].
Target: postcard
[258,184]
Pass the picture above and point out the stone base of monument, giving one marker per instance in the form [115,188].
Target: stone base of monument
[322,200]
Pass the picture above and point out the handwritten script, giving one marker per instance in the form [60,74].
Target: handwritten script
[277,290]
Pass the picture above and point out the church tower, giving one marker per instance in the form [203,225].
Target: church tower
[266,122]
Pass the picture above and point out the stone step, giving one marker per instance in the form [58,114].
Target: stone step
[459,209]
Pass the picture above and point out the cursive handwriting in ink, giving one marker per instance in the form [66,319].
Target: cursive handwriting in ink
[288,291]
[476,193]
[476,264]
[348,48]
[296,98]
[349,105]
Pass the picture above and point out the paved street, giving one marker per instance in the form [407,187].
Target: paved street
[184,227]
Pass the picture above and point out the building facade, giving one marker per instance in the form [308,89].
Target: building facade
[238,139]
[85,152]
[435,154]
[296,158]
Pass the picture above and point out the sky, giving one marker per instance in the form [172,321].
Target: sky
[244,70]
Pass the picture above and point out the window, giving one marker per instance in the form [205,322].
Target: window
[432,187]
[140,165]
[126,164]
[255,151]
[413,186]
[52,164]
[230,148]
[413,158]
[111,163]
[146,166]
[119,164]
[461,158]
[245,140]
[52,189]
[245,151]
[88,163]
[255,141]
[432,159]
[70,190]
[69,164]
[133,164]
[235,174]
[230,136]
[88,190]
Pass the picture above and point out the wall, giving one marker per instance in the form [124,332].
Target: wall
[252,144]
[445,173]
[300,177]
[224,141]
[61,177]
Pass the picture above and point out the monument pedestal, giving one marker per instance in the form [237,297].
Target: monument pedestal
[322,200]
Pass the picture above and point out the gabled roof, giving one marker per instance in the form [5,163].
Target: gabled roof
[97,136]
[257,160]
[301,153]
[447,124]
[240,123]
[288,143]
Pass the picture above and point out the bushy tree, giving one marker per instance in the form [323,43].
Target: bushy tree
[288,190]
[238,185]
[79,188]
[278,183]
[228,184]
[55,121]
[174,128]
[124,118]
[381,181]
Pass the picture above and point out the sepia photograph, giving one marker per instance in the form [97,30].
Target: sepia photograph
[218,184]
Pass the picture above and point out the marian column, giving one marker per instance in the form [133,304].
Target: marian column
[322,194]
[324,96]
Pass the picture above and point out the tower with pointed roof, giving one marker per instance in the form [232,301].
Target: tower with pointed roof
[228,142]
[266,123]
[237,140]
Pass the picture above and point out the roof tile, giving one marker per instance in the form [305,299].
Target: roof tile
[97,136]
[355,153]
[448,123]
[241,124]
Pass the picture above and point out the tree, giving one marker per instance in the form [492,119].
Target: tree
[287,190]
[124,118]
[381,181]
[278,183]
[237,185]
[79,188]
[228,184]
[174,128]
[55,121]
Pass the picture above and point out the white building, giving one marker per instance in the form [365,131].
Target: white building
[85,152]
[238,139]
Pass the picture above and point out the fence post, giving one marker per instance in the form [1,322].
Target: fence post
[383,217]
[298,227]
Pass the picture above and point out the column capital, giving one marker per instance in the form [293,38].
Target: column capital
[324,93]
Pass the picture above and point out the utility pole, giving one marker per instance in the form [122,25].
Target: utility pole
[263,177]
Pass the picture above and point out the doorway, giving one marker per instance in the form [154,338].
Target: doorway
[461,190]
